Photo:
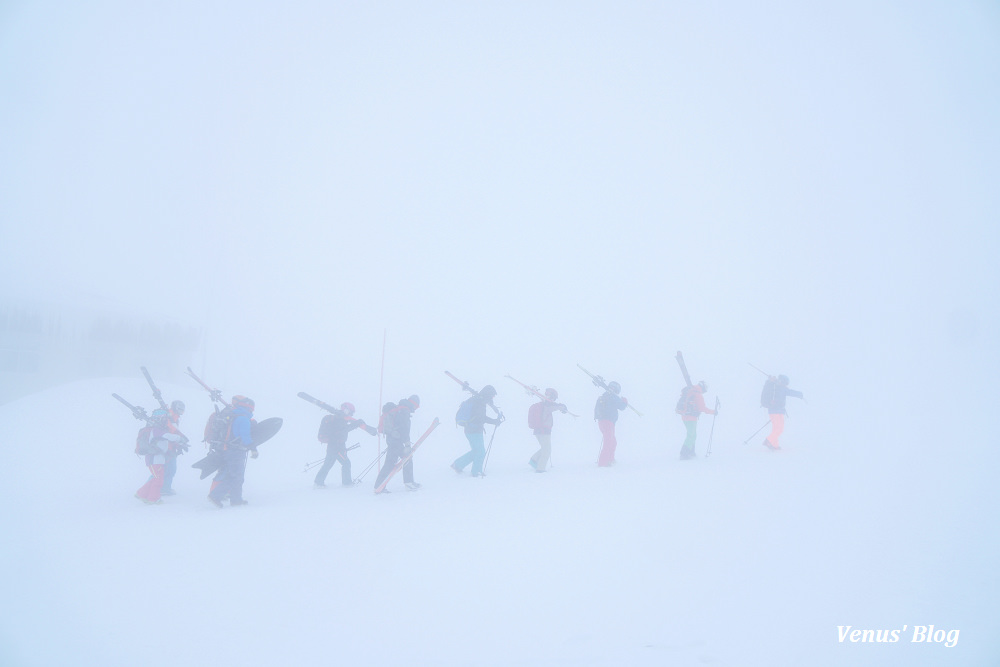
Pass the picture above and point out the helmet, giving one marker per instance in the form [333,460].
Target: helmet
[415,400]
[614,387]
[177,407]
[348,408]
[488,392]
[703,385]
[551,394]
[159,415]
[783,379]
[243,402]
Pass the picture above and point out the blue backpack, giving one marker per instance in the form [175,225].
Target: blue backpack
[464,413]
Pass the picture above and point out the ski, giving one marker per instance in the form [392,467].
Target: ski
[684,370]
[318,403]
[468,388]
[215,394]
[599,381]
[406,459]
[137,412]
[534,390]
[156,392]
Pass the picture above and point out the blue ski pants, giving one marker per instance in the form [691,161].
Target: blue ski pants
[476,455]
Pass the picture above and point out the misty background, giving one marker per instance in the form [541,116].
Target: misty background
[264,191]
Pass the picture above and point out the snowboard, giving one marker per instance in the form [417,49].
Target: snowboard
[260,432]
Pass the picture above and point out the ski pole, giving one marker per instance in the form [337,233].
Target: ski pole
[489,449]
[757,369]
[712,432]
[317,462]
[360,478]
[747,441]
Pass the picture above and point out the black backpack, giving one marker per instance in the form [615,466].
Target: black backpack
[684,406]
[769,394]
[219,425]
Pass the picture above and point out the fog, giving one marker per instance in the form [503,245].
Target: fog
[496,188]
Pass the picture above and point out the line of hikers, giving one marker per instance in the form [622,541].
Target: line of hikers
[232,435]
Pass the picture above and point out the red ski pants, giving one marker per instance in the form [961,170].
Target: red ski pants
[150,491]
[777,426]
[609,442]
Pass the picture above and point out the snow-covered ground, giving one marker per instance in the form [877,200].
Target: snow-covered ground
[742,558]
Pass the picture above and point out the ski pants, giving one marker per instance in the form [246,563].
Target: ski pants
[541,457]
[777,427]
[169,470]
[150,491]
[230,479]
[394,452]
[476,455]
[608,443]
[334,453]
[692,437]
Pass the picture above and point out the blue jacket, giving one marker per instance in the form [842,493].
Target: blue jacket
[242,434]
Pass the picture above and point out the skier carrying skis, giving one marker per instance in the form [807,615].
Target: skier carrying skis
[396,426]
[333,431]
[540,421]
[229,481]
[606,413]
[160,441]
[690,407]
[773,398]
[472,416]
[170,467]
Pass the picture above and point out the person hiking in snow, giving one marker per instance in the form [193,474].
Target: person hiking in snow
[333,430]
[606,413]
[690,407]
[170,467]
[540,421]
[773,398]
[472,416]
[160,441]
[396,426]
[229,481]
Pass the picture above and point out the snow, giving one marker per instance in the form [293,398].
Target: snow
[745,557]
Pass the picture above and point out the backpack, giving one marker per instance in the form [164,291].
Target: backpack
[768,394]
[684,402]
[217,428]
[464,413]
[143,441]
[325,429]
[535,413]
[385,421]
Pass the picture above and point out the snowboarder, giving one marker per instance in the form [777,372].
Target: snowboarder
[229,481]
[160,441]
[773,398]
[170,467]
[396,426]
[472,416]
[540,421]
[606,413]
[333,431]
[690,407]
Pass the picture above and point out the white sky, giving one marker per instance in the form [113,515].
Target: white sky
[516,187]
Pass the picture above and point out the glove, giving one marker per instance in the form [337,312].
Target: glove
[407,449]
[254,454]
[562,408]
[371,430]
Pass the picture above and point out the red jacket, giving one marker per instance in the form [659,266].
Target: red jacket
[696,405]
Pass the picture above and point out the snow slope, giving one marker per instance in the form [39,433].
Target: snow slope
[742,558]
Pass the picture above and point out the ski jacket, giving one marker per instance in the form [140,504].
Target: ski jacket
[241,434]
[160,440]
[545,418]
[695,405]
[335,428]
[397,426]
[607,406]
[778,393]
[479,418]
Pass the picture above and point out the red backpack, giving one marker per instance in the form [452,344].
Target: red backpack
[535,415]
